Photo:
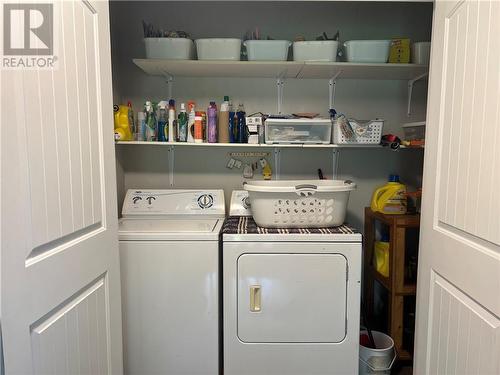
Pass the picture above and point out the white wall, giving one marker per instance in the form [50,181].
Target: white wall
[147,167]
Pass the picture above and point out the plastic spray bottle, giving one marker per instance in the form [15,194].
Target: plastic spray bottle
[162,122]
[172,124]
[182,122]
[150,128]
[191,120]
[212,123]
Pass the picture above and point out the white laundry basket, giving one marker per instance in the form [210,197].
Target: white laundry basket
[299,203]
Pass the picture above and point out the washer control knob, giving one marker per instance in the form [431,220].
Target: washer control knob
[245,202]
[135,199]
[149,199]
[205,201]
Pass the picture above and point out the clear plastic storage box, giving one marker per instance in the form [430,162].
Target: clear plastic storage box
[367,51]
[315,50]
[298,130]
[414,131]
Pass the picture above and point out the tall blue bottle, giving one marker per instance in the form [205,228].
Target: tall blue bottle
[242,125]
[162,123]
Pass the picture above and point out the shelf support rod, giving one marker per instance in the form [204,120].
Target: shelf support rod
[411,82]
[331,89]
[280,83]
[277,161]
[171,165]
[335,163]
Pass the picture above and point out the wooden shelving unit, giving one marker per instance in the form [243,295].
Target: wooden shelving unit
[395,283]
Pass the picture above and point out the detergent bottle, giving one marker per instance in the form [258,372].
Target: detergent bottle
[123,130]
[390,198]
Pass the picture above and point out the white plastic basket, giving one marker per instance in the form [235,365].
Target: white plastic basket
[299,203]
[169,48]
[267,50]
[365,132]
[218,49]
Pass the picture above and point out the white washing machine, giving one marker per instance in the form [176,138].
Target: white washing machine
[291,298]
[169,256]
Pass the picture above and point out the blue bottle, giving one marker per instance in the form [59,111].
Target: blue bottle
[242,126]
[232,128]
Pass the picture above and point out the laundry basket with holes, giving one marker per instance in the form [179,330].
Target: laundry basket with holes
[299,203]
[367,132]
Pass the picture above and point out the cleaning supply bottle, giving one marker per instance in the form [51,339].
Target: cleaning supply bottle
[223,131]
[141,126]
[233,126]
[182,122]
[162,122]
[390,198]
[131,120]
[212,123]
[242,127]
[172,123]
[150,128]
[191,120]
[122,123]
[198,127]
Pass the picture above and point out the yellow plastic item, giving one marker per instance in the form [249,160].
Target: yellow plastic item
[122,123]
[390,199]
[382,258]
[400,51]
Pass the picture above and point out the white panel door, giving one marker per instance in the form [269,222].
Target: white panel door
[292,298]
[458,298]
[60,310]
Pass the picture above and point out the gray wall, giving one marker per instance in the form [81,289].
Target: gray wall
[147,167]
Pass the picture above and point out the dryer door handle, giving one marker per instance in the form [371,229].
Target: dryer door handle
[255,298]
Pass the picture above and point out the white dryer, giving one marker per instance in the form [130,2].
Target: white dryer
[169,256]
[291,298]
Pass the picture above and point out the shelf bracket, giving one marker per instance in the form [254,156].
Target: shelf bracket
[169,79]
[411,82]
[280,83]
[331,89]
[277,161]
[171,165]
[335,163]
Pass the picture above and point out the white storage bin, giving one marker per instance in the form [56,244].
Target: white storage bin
[299,203]
[301,130]
[421,53]
[169,48]
[267,50]
[367,51]
[218,49]
[315,50]
[367,132]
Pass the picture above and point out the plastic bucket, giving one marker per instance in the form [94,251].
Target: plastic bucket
[380,360]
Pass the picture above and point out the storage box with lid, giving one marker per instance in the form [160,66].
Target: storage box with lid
[298,130]
[367,132]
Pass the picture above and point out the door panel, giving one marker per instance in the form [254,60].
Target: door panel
[292,297]
[458,304]
[60,269]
